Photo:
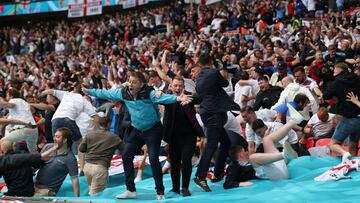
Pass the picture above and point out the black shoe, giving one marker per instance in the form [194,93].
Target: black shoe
[202,183]
[81,173]
[175,191]
[185,192]
[216,179]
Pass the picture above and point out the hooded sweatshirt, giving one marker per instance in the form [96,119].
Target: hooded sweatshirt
[344,83]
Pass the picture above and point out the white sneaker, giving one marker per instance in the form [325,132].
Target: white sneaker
[127,195]
[288,152]
[346,157]
[138,179]
[160,197]
[294,115]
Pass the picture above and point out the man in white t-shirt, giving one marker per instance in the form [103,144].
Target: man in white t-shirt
[249,116]
[272,164]
[19,109]
[321,125]
[71,106]
[262,128]
[244,93]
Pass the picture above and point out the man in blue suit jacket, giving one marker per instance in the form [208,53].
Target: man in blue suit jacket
[213,107]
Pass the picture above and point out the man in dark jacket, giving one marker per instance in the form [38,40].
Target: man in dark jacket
[213,107]
[20,181]
[268,95]
[16,170]
[240,169]
[181,130]
[344,83]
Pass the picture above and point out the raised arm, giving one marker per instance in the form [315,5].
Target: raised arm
[43,106]
[169,98]
[7,104]
[5,121]
[113,94]
[16,161]
[353,98]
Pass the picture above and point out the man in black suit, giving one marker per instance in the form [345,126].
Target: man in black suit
[213,107]
[181,130]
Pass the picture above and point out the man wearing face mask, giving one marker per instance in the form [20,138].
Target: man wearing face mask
[142,103]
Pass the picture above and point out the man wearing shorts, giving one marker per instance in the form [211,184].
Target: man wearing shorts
[349,126]
[19,109]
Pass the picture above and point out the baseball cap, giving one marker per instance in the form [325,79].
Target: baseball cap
[282,65]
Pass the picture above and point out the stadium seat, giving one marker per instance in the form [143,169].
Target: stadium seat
[323,142]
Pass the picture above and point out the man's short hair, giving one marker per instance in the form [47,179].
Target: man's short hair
[179,78]
[301,98]
[331,47]
[342,66]
[263,78]
[153,74]
[234,150]
[257,124]
[205,59]
[103,122]
[247,109]
[299,69]
[244,76]
[139,76]
[66,134]
[14,93]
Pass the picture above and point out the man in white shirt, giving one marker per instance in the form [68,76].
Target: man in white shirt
[262,128]
[244,91]
[321,124]
[71,106]
[307,82]
[292,89]
[249,116]
[20,110]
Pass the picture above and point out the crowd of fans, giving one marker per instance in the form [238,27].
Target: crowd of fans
[81,82]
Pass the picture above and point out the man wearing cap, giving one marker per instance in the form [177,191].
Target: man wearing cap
[282,72]
[99,147]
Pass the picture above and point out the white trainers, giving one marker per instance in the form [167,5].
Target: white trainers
[294,115]
[160,197]
[127,195]
[288,152]
[346,157]
[138,179]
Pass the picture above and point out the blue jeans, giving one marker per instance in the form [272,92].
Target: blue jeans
[133,143]
[347,127]
[215,133]
[70,124]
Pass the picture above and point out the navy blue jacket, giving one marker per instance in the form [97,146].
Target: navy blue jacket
[209,88]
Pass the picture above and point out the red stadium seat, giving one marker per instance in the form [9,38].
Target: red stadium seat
[323,142]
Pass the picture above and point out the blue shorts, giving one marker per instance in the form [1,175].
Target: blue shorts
[348,127]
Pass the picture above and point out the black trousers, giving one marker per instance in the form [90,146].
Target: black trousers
[181,153]
[133,143]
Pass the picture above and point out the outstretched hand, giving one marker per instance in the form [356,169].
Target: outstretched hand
[352,97]
[158,94]
[84,90]
[245,184]
[185,99]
